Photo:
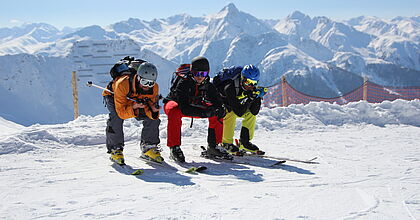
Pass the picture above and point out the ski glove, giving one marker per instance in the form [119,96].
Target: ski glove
[220,112]
[207,113]
[252,96]
[260,91]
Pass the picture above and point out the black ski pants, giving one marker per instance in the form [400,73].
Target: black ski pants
[115,133]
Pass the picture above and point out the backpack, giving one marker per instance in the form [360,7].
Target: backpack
[181,73]
[222,78]
[126,66]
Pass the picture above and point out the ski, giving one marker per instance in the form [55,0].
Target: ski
[127,169]
[191,169]
[246,157]
[280,162]
[186,168]
[260,153]
[310,161]
[246,161]
[241,160]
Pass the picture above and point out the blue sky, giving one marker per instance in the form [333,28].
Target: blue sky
[79,13]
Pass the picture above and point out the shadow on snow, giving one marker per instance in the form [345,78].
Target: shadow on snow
[158,174]
[239,168]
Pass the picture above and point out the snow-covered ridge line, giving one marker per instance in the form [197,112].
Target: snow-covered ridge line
[88,130]
[319,114]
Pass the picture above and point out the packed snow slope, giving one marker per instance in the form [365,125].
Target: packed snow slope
[368,168]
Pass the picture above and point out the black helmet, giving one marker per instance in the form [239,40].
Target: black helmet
[200,64]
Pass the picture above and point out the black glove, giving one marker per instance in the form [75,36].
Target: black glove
[220,112]
[248,102]
[249,99]
[207,113]
[255,106]
[252,96]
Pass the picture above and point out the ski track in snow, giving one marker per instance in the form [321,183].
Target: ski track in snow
[365,171]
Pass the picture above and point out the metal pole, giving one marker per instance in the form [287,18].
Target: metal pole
[75,95]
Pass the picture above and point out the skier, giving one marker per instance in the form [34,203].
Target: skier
[194,96]
[145,92]
[241,101]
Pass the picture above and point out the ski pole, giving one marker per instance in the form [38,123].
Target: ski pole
[90,84]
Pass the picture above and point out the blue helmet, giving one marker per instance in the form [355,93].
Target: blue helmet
[251,72]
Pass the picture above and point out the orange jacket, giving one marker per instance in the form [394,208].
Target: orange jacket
[123,106]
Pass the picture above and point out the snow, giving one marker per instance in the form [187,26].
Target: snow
[8,127]
[368,168]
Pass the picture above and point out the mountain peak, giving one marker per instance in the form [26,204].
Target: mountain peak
[230,8]
[94,32]
[230,22]
[297,15]
[228,12]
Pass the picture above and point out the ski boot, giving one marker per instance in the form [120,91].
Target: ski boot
[117,156]
[176,154]
[250,148]
[216,152]
[232,149]
[151,152]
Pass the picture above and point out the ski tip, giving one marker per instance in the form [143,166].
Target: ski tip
[137,172]
[191,170]
[280,162]
[313,159]
[196,169]
[201,168]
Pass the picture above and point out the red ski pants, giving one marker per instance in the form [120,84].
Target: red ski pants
[175,116]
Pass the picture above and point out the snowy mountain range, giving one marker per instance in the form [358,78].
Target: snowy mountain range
[319,56]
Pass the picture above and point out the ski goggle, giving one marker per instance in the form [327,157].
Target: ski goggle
[248,82]
[201,73]
[147,82]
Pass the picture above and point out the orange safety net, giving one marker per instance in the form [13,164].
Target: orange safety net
[283,94]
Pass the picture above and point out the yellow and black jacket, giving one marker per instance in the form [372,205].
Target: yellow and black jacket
[234,100]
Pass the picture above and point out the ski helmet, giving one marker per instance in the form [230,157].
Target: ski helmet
[251,72]
[200,64]
[147,71]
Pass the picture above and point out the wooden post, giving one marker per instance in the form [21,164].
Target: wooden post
[365,84]
[283,91]
[75,95]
